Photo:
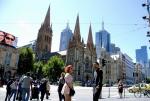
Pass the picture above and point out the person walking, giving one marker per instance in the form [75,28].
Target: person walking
[98,79]
[43,88]
[68,82]
[19,92]
[47,89]
[120,87]
[8,89]
[13,87]
[60,85]
[26,85]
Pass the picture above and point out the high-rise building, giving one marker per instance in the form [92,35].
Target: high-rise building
[66,35]
[114,49]
[141,55]
[44,38]
[102,41]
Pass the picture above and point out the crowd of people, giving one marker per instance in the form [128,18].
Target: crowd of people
[24,88]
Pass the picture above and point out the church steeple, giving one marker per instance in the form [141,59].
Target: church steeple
[76,35]
[90,39]
[44,38]
[47,18]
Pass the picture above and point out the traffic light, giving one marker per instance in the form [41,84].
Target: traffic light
[103,62]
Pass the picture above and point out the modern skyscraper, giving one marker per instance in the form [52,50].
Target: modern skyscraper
[66,35]
[141,55]
[114,49]
[102,41]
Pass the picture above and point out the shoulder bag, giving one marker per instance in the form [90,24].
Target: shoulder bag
[72,91]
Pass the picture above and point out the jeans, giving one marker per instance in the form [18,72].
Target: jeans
[24,92]
[13,91]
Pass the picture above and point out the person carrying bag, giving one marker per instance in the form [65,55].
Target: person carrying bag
[67,89]
[72,91]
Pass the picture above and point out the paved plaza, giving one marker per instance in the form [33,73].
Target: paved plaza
[85,94]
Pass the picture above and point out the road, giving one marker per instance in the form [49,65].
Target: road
[85,94]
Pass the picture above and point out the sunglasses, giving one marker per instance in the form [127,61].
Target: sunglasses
[8,38]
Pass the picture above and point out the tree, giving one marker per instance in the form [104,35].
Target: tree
[53,68]
[37,70]
[26,59]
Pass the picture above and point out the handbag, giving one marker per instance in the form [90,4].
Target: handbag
[72,91]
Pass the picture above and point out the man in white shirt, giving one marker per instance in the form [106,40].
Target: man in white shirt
[26,84]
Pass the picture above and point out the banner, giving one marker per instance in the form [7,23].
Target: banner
[8,39]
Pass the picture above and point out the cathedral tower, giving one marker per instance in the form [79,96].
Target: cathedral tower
[44,38]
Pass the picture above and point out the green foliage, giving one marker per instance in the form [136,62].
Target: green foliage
[51,69]
[26,60]
[55,67]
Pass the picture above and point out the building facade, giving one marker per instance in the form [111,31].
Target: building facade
[142,58]
[129,68]
[9,57]
[81,55]
[138,76]
[122,68]
[114,49]
[65,37]
[44,38]
[141,55]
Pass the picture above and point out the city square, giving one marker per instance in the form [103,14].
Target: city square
[85,94]
[38,46]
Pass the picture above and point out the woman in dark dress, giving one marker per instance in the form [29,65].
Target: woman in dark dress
[60,85]
[120,88]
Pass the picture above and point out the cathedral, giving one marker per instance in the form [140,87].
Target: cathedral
[81,55]
[44,39]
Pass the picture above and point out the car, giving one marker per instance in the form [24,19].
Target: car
[137,87]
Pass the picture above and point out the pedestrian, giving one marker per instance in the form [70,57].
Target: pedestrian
[26,85]
[68,83]
[35,90]
[43,88]
[98,79]
[13,87]
[120,87]
[47,89]
[8,88]
[60,85]
[19,92]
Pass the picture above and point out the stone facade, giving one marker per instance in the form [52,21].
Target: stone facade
[44,39]
[81,55]
[9,57]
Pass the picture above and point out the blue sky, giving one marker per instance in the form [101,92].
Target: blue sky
[122,18]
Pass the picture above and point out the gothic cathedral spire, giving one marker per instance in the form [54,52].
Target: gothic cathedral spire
[44,38]
[77,36]
[90,44]
[47,18]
